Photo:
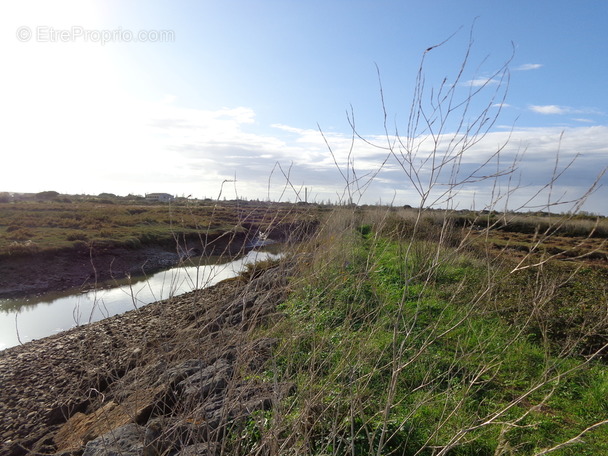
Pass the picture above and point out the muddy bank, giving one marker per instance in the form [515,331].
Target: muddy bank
[83,267]
[173,377]
[31,275]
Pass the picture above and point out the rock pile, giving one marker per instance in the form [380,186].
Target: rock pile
[175,377]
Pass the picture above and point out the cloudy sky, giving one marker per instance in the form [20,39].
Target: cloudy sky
[180,96]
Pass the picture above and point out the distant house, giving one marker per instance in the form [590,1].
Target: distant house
[159,197]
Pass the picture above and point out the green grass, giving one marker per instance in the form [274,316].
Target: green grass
[401,347]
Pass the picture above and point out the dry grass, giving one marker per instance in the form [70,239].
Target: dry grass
[39,227]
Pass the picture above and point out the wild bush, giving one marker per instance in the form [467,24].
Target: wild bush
[406,334]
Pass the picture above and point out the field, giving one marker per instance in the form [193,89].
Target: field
[408,334]
[410,331]
[400,331]
[71,222]
[68,241]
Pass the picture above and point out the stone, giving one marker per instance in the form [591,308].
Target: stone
[186,369]
[155,364]
[206,382]
[127,440]
[81,428]
[200,449]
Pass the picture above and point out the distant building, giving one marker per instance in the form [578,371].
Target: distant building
[160,197]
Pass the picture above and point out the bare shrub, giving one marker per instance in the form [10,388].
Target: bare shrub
[407,334]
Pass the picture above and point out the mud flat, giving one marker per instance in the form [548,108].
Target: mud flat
[173,377]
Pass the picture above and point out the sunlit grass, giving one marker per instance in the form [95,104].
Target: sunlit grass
[401,346]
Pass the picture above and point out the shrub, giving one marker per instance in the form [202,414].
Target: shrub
[20,234]
[47,195]
[22,248]
[77,236]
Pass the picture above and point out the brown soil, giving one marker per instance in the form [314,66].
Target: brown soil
[59,393]
[579,250]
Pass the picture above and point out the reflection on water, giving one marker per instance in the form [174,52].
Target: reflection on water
[22,320]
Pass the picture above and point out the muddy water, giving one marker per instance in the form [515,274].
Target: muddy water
[23,320]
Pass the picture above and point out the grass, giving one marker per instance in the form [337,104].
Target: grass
[46,226]
[409,345]
[406,332]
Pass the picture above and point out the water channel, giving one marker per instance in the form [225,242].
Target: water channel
[23,320]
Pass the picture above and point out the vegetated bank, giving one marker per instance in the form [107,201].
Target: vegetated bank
[388,332]
[410,336]
[73,241]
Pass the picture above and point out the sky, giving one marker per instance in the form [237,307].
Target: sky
[463,104]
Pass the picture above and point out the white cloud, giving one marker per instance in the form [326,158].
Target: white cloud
[164,147]
[479,82]
[549,109]
[528,67]
[287,128]
[555,109]
[168,99]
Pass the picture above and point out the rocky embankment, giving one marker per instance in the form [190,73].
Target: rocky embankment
[174,377]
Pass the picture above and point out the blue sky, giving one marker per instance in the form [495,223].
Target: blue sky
[218,90]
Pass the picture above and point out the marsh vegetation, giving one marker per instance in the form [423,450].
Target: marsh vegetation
[384,331]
